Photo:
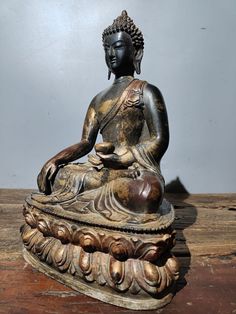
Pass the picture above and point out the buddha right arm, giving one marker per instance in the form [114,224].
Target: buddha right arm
[76,151]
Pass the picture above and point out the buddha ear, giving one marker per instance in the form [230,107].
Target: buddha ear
[137,60]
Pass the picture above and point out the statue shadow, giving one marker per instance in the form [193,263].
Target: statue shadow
[185,216]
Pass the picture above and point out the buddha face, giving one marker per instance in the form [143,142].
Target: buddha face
[119,53]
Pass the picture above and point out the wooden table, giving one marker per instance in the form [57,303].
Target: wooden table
[206,247]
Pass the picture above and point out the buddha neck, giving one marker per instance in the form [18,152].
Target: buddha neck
[123,79]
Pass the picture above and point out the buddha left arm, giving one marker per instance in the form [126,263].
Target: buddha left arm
[157,122]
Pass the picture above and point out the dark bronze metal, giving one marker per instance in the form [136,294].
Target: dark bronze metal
[103,227]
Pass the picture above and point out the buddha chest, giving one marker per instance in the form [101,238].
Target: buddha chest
[122,119]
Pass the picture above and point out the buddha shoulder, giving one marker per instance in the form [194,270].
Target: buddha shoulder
[99,98]
[152,96]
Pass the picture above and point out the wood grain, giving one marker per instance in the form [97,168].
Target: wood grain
[206,246]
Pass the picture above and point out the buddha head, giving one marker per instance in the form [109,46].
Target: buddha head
[123,43]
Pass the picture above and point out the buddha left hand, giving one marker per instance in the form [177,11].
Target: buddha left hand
[116,161]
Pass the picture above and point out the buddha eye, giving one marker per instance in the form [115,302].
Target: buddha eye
[118,46]
[106,47]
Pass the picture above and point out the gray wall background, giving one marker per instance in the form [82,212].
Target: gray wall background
[52,64]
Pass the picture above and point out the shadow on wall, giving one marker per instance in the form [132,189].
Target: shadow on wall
[186,215]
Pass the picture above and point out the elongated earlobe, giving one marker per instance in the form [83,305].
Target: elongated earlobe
[137,61]
[109,74]
[137,67]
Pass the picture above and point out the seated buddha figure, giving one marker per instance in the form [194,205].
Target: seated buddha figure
[121,181]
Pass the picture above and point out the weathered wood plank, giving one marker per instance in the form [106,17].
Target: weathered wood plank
[199,231]
[210,289]
[13,196]
[17,196]
[206,246]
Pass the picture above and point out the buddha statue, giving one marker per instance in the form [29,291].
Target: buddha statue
[104,224]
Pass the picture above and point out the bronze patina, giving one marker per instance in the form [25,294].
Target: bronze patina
[103,227]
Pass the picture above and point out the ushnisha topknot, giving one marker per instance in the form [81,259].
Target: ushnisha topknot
[125,23]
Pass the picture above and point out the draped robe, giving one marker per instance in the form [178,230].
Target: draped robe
[71,198]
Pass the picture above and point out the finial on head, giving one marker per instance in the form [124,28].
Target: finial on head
[125,23]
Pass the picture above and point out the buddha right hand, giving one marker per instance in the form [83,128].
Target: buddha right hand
[46,175]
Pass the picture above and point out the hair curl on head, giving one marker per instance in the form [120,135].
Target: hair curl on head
[124,23]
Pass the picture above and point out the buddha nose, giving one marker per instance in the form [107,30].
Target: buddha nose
[111,52]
